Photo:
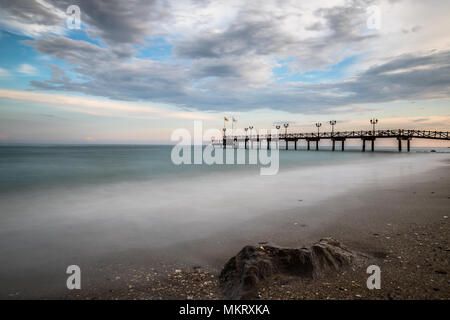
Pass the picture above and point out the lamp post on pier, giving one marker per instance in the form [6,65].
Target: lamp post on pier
[277,143]
[318,125]
[373,122]
[224,139]
[246,138]
[286,125]
[332,122]
[251,130]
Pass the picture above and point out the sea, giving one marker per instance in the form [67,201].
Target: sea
[78,204]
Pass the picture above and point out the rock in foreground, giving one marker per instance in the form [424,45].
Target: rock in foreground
[242,274]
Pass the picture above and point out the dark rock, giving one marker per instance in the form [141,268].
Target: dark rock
[242,274]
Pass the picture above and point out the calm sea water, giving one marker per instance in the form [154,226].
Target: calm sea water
[34,167]
[63,205]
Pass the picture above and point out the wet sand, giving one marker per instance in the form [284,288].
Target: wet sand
[403,225]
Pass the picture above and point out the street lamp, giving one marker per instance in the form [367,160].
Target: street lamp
[373,122]
[278,129]
[246,129]
[286,125]
[251,136]
[318,125]
[332,122]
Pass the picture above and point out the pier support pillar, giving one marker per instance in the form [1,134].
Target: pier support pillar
[308,141]
[268,144]
[287,144]
[224,142]
[408,143]
[341,139]
[372,143]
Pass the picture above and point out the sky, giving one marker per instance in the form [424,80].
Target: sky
[134,71]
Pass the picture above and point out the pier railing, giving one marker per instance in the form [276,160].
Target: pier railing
[340,136]
[391,133]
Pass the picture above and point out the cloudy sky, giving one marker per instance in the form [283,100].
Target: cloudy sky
[136,70]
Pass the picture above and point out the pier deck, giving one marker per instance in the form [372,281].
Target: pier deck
[340,136]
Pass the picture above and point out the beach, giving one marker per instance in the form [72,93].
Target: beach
[403,226]
[389,206]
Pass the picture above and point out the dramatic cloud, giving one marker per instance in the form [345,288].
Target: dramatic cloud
[114,21]
[31,18]
[241,55]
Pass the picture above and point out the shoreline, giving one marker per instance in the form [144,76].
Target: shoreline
[403,227]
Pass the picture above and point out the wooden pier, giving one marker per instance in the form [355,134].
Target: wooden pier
[365,136]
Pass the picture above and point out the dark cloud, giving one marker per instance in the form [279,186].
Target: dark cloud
[405,77]
[26,11]
[122,22]
[246,35]
[420,120]
[115,22]
[260,32]
[107,74]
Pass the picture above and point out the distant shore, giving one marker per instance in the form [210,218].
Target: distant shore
[403,225]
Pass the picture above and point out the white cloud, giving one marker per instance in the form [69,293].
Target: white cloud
[99,107]
[4,73]
[27,69]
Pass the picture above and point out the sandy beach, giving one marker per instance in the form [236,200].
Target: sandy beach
[402,225]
